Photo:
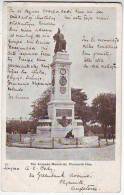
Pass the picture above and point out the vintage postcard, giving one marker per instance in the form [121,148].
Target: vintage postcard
[61,97]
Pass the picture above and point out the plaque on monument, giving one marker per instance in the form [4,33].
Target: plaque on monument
[63,90]
[63,112]
[63,80]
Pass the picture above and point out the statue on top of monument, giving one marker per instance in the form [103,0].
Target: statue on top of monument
[60,42]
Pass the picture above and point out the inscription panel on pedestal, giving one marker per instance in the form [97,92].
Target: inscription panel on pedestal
[63,112]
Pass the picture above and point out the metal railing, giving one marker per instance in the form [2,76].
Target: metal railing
[34,141]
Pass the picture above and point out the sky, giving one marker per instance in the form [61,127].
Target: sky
[92,81]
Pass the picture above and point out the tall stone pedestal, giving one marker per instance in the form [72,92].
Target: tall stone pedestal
[61,107]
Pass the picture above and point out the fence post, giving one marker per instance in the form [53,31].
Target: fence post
[30,140]
[53,142]
[9,140]
[113,140]
[106,141]
[20,137]
[99,141]
[76,142]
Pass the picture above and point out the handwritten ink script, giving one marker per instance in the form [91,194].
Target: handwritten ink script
[96,52]
[76,181]
[28,51]
[30,44]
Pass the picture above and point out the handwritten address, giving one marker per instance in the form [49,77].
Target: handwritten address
[77,181]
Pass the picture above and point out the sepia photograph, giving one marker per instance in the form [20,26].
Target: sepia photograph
[61,83]
[61,97]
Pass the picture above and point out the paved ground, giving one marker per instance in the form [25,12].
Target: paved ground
[104,153]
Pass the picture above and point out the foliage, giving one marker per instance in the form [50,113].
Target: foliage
[19,126]
[104,109]
[40,106]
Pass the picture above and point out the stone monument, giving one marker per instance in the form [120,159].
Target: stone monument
[61,107]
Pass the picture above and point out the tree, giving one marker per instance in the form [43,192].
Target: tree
[20,126]
[104,108]
[78,96]
[40,110]
[82,110]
